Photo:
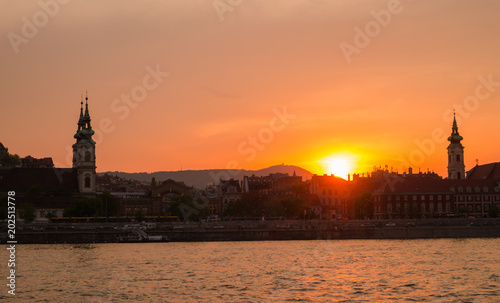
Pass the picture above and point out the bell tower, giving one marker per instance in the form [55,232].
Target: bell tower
[84,152]
[456,166]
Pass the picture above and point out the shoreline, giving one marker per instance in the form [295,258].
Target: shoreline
[113,236]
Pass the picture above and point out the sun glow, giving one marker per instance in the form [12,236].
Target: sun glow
[340,164]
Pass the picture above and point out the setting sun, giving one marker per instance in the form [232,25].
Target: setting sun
[339,164]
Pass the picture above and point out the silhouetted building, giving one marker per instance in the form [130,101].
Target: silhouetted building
[274,184]
[84,160]
[456,166]
[29,161]
[162,194]
[424,196]
[3,150]
[486,171]
[333,194]
[228,191]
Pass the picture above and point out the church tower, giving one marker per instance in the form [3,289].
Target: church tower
[84,152]
[456,166]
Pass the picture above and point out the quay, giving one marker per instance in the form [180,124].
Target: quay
[261,231]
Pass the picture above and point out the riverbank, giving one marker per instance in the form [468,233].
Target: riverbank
[252,231]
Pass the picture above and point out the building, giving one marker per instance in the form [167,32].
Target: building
[51,189]
[425,196]
[456,166]
[273,184]
[84,159]
[228,191]
[260,184]
[486,171]
[3,150]
[333,195]
[413,196]
[29,161]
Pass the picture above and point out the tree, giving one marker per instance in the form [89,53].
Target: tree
[186,209]
[83,207]
[49,216]
[494,211]
[9,159]
[3,208]
[293,207]
[109,204]
[104,205]
[35,190]
[363,206]
[28,212]
[139,215]
[463,210]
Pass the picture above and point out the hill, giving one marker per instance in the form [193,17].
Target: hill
[202,178]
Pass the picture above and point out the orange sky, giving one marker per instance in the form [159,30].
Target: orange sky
[232,67]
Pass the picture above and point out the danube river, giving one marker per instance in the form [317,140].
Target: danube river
[437,270]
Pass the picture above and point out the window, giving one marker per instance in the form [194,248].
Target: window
[87,182]
[414,197]
[87,156]
[458,158]
[422,198]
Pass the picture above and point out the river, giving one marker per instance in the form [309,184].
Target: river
[434,270]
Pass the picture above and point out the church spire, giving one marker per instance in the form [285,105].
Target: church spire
[455,136]
[81,109]
[84,132]
[87,116]
[456,166]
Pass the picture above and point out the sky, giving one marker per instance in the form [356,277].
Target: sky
[331,86]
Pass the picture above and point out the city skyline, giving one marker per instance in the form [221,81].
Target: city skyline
[199,86]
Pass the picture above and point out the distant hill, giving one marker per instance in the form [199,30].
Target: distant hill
[201,178]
